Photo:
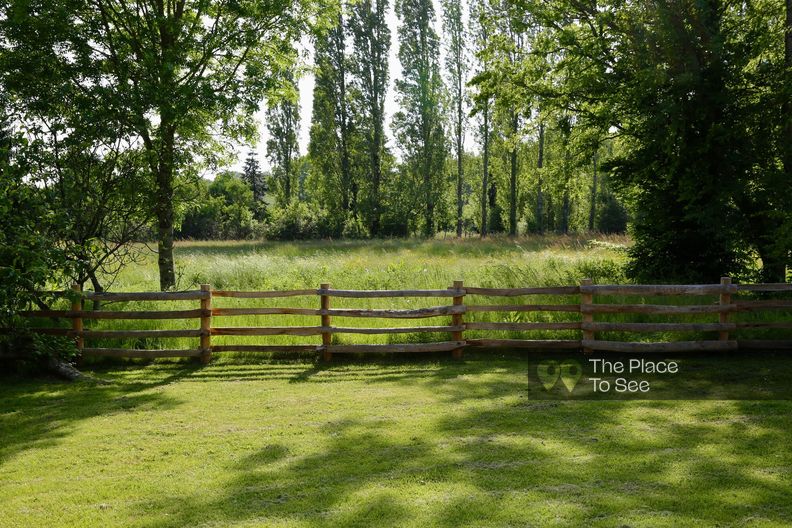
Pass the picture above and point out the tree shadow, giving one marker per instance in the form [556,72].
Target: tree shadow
[491,454]
[39,412]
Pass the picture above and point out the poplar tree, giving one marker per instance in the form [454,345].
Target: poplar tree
[283,120]
[457,68]
[332,123]
[372,40]
[482,101]
[419,123]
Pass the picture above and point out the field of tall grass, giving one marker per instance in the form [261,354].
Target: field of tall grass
[378,264]
[392,264]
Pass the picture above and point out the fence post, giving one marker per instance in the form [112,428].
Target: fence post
[587,299]
[77,322]
[325,305]
[457,320]
[206,324]
[725,300]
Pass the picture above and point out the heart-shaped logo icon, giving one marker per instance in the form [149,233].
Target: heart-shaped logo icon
[548,373]
[570,374]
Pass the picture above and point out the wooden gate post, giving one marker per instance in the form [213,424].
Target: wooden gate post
[725,300]
[77,322]
[587,299]
[206,324]
[457,320]
[326,338]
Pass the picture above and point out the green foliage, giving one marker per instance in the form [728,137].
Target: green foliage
[419,124]
[690,92]
[372,40]
[300,221]
[223,209]
[336,150]
[354,228]
[283,120]
[160,74]
[611,216]
[256,180]
[29,259]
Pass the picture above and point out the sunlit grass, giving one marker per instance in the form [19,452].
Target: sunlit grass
[406,442]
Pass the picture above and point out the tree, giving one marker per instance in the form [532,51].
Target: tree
[98,193]
[332,126]
[29,259]
[457,67]
[283,120]
[223,209]
[480,30]
[419,124]
[174,75]
[691,93]
[252,175]
[501,57]
[372,39]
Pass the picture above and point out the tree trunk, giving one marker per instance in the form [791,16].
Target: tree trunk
[429,228]
[565,213]
[513,177]
[485,179]
[98,288]
[164,212]
[344,124]
[593,207]
[539,195]
[460,148]
[773,268]
[787,105]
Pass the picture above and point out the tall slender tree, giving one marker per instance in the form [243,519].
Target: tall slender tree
[283,120]
[457,68]
[482,100]
[501,59]
[419,123]
[372,40]
[332,123]
[540,206]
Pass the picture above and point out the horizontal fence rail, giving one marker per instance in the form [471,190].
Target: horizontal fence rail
[585,302]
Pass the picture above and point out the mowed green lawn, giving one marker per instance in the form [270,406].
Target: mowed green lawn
[379,442]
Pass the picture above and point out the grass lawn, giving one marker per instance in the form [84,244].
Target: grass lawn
[422,442]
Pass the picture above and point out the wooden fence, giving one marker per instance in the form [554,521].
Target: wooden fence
[582,300]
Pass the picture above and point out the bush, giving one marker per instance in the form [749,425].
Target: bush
[354,228]
[300,221]
[612,216]
[223,210]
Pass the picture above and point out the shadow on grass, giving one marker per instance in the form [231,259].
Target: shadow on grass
[493,456]
[501,458]
[36,413]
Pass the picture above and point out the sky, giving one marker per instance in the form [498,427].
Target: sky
[306,85]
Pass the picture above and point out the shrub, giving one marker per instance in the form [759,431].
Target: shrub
[300,221]
[354,228]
